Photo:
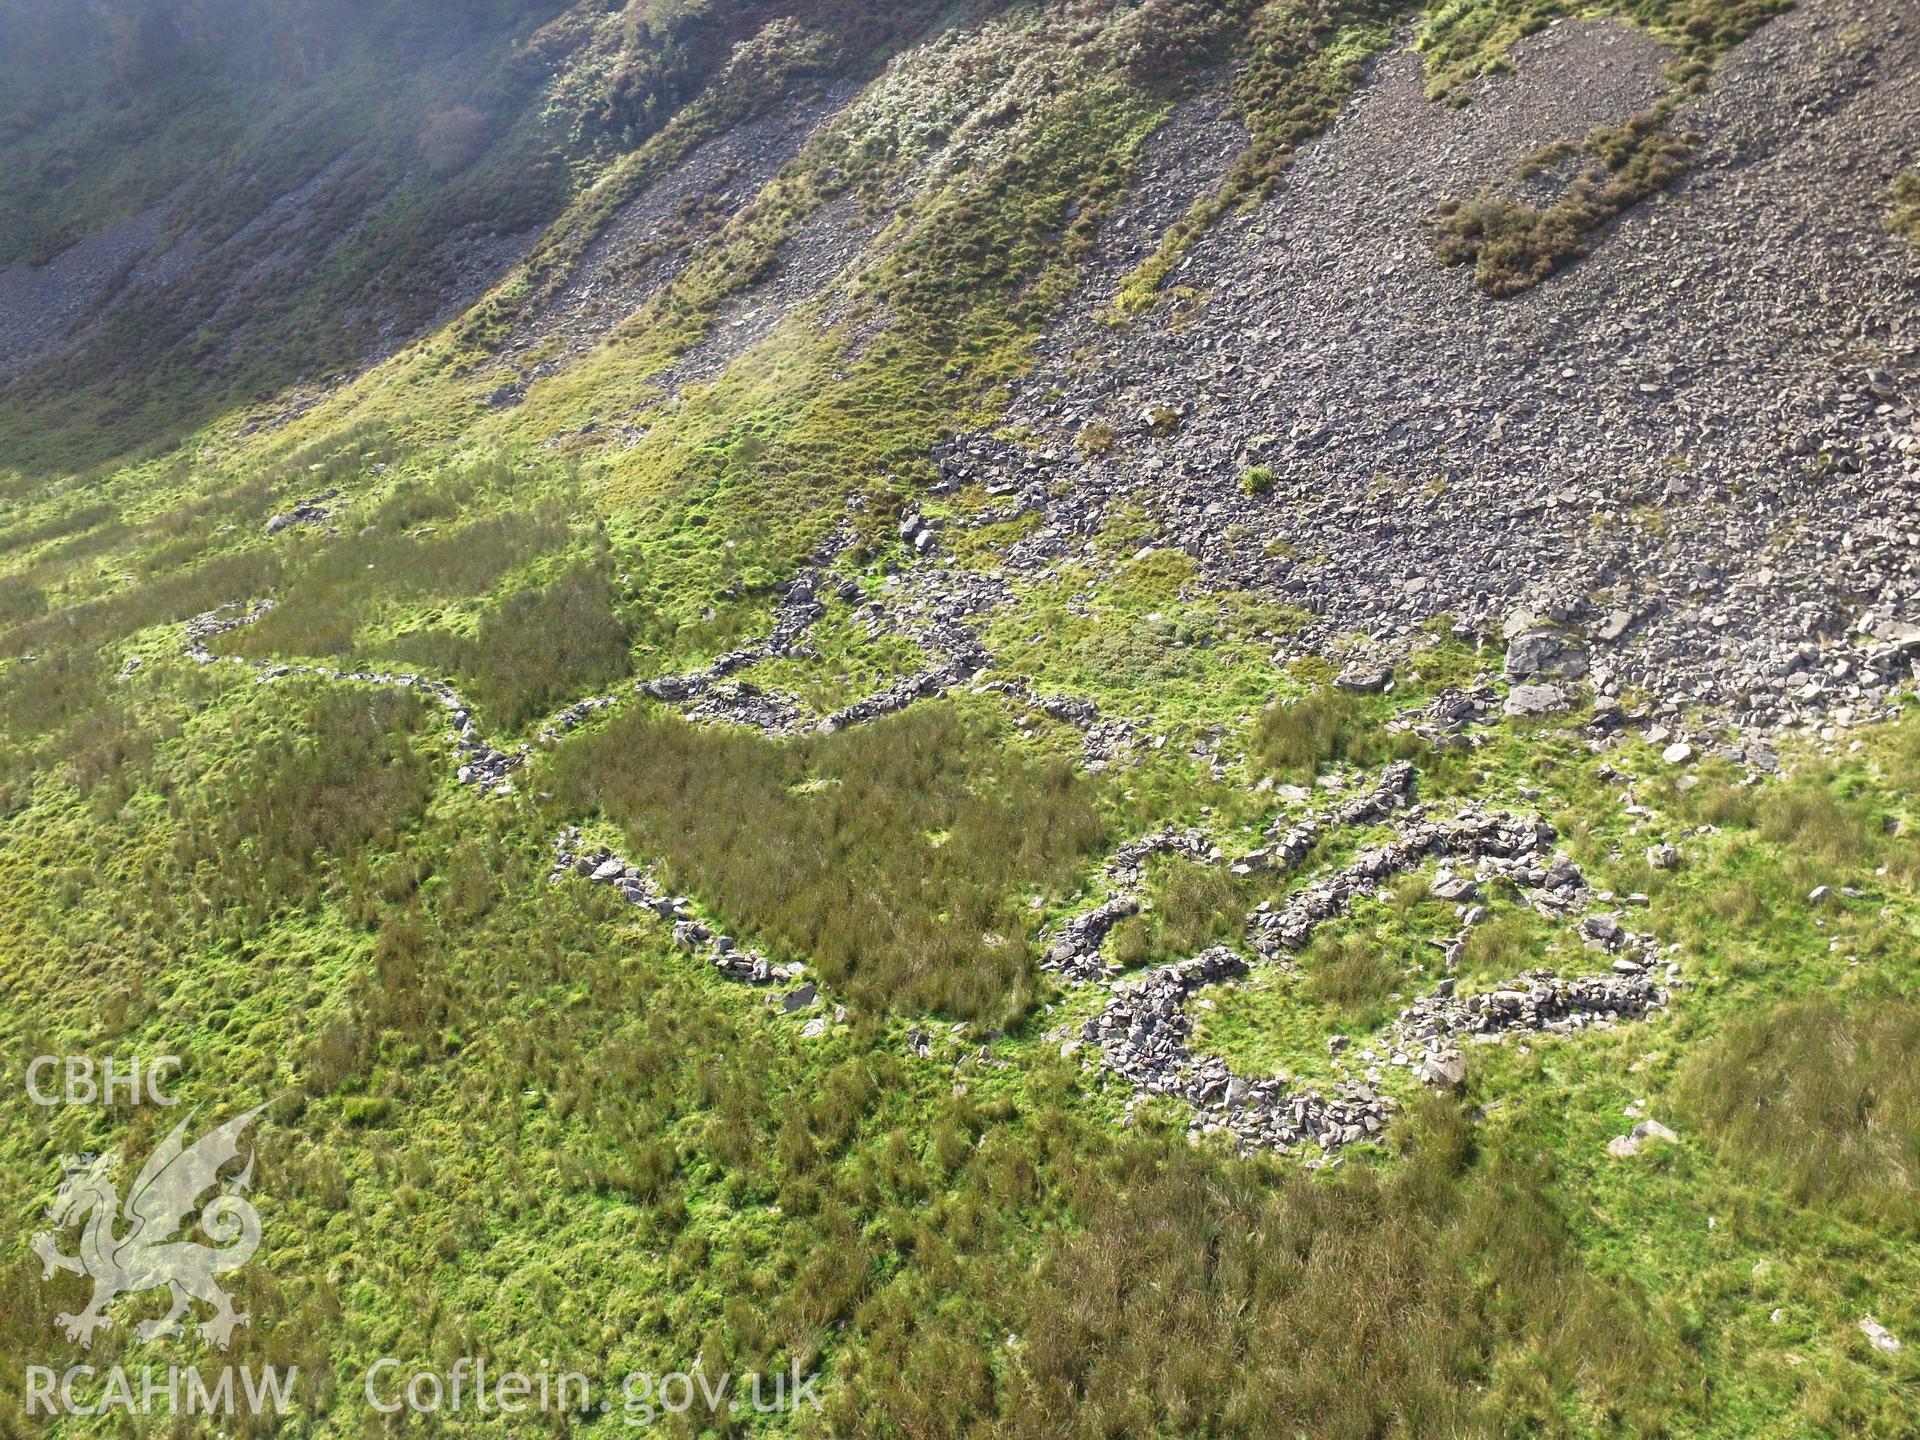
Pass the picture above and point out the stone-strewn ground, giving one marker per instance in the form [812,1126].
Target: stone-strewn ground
[1693,456]
[820,252]
[654,236]
[41,305]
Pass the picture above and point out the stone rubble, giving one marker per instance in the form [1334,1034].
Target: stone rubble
[924,685]
[654,236]
[478,763]
[311,511]
[1075,953]
[1287,849]
[1781,588]
[1142,1036]
[638,887]
[1878,1336]
[799,608]
[1537,1000]
[1499,845]
[1623,1147]
[1142,1031]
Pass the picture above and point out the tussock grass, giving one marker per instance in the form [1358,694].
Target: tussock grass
[338,456]
[538,649]
[326,602]
[1506,943]
[1295,739]
[20,600]
[75,521]
[896,857]
[169,599]
[1352,975]
[1835,826]
[59,716]
[1192,906]
[1903,213]
[515,1105]
[1187,1298]
[1822,1094]
[345,780]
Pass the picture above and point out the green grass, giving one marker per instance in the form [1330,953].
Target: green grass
[1130,628]
[894,857]
[512,1118]
[1903,212]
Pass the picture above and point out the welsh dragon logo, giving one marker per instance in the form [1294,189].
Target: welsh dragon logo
[152,1252]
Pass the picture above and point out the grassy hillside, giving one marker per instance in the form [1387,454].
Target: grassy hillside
[510,1114]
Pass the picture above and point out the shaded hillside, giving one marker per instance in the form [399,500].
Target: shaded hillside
[269,196]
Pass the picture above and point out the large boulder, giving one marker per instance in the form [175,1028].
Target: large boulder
[1545,651]
[1446,1070]
[1525,700]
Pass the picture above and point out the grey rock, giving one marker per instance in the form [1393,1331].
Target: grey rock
[1446,1070]
[1545,652]
[1365,676]
[1531,700]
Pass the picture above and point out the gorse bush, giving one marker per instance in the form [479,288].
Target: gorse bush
[1822,1094]
[897,857]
